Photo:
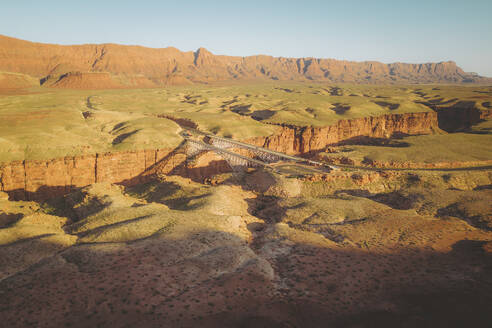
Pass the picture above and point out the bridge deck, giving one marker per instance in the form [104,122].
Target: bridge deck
[261,149]
[230,153]
[299,166]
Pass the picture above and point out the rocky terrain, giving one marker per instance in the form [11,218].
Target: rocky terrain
[256,250]
[106,219]
[40,179]
[186,243]
[125,137]
[134,66]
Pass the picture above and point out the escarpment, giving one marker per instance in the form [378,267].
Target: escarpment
[302,140]
[461,116]
[134,66]
[42,179]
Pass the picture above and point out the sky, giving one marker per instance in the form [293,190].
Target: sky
[411,31]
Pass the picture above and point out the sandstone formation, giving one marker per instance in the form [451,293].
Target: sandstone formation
[41,179]
[461,115]
[135,66]
[301,140]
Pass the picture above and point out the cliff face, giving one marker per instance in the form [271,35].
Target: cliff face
[135,66]
[301,140]
[461,116]
[42,179]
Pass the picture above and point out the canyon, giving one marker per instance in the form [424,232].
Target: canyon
[44,179]
[245,164]
[120,66]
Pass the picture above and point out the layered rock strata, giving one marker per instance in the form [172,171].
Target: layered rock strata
[41,179]
[302,140]
[135,66]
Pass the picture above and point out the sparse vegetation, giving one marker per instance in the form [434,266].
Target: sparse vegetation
[51,123]
[244,247]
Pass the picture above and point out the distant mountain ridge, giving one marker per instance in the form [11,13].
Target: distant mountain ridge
[137,66]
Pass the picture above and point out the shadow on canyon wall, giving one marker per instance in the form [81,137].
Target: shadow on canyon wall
[459,116]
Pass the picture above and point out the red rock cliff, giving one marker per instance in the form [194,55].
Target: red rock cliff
[142,66]
[42,179]
[299,140]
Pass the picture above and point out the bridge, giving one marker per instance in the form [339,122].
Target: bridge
[261,157]
[276,161]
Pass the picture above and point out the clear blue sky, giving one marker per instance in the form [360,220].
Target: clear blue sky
[412,31]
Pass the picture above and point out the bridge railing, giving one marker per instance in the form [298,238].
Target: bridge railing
[265,154]
[236,161]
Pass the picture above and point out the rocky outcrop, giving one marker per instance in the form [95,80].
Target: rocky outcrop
[302,140]
[136,66]
[43,179]
[461,116]
[204,166]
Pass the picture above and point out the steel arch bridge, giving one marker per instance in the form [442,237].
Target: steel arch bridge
[261,157]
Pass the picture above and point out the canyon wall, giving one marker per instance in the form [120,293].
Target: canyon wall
[302,140]
[461,116]
[43,179]
[134,66]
